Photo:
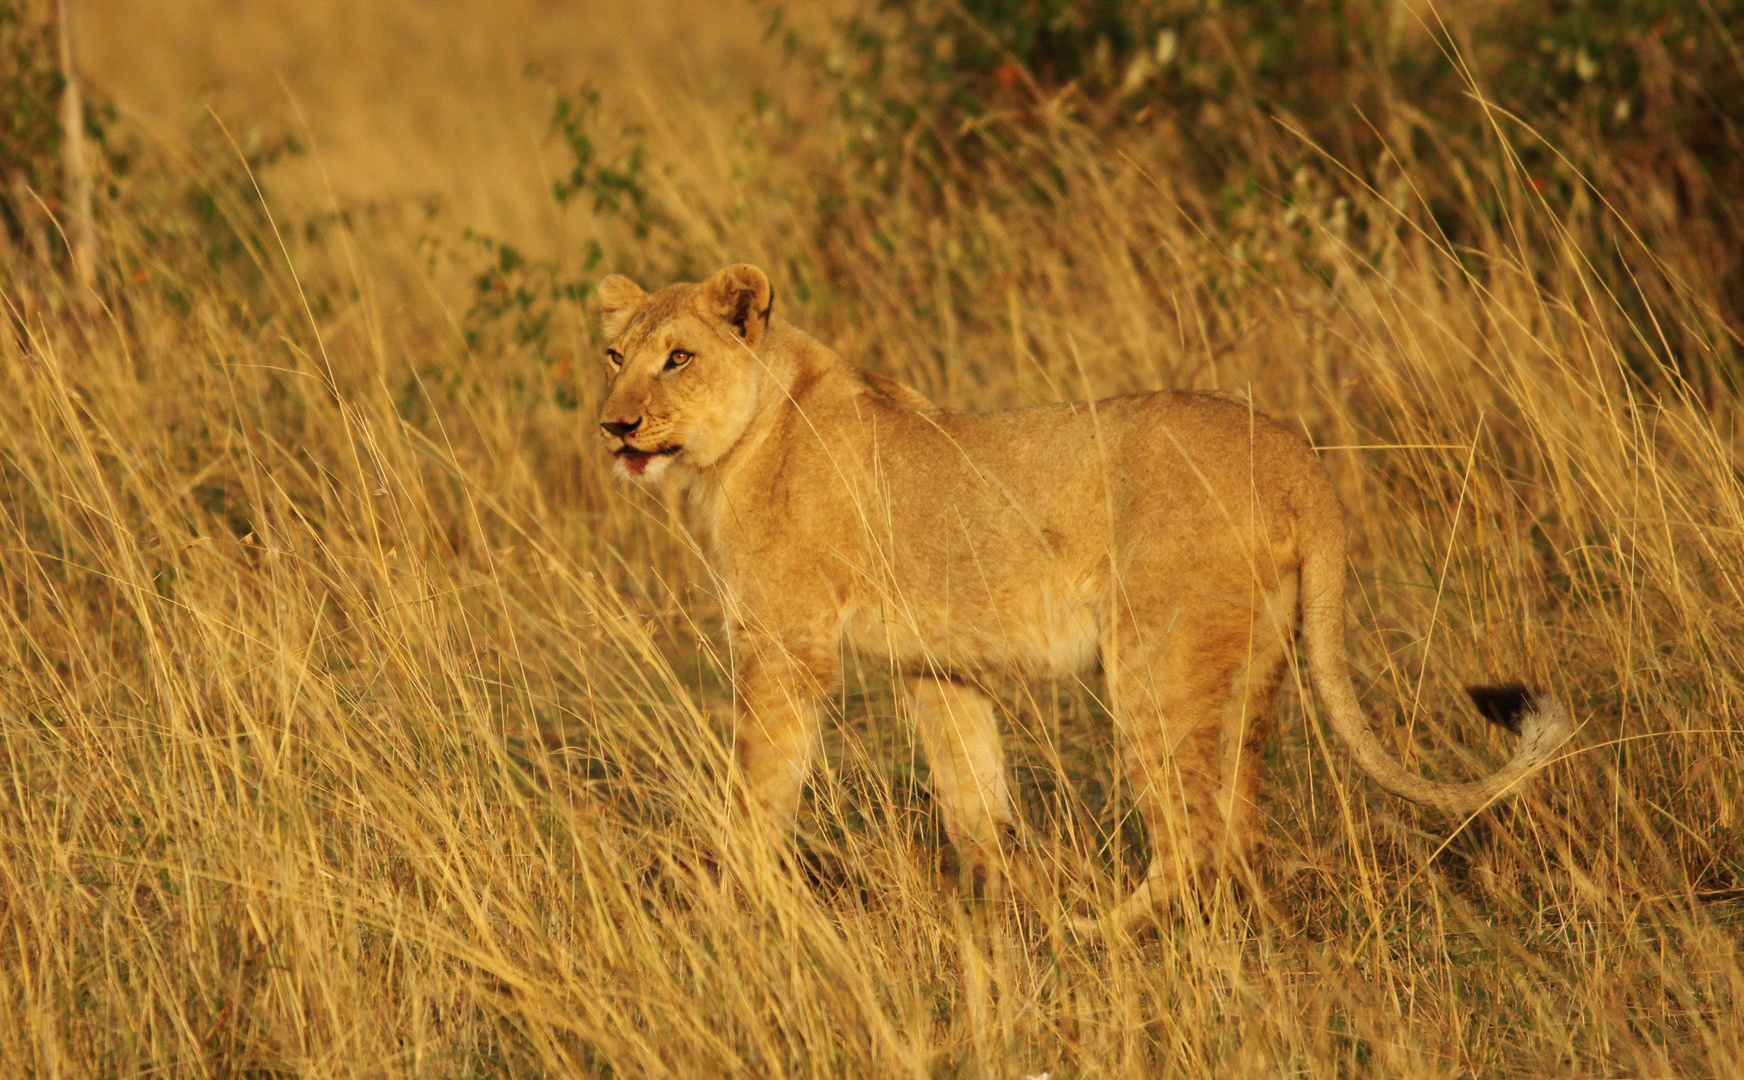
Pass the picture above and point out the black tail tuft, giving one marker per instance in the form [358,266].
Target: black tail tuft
[1503,705]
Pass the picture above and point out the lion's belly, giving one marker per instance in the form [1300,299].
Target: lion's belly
[1039,630]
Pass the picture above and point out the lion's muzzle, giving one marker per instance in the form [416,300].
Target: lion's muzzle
[635,461]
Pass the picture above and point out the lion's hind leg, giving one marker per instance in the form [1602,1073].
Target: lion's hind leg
[1193,699]
[1248,723]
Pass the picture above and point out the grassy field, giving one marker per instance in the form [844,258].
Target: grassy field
[354,722]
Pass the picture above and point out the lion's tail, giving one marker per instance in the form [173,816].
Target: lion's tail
[1541,722]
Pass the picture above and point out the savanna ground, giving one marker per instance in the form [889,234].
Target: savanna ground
[353,722]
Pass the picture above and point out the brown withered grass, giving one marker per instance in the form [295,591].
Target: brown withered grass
[353,722]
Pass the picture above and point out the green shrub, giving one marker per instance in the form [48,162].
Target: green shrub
[1624,116]
[30,92]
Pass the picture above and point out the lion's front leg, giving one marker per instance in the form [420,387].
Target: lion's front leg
[961,738]
[780,690]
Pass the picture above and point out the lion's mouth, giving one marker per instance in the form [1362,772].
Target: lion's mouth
[635,462]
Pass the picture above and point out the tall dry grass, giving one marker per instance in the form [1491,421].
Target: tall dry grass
[353,722]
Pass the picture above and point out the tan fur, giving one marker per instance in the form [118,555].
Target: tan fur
[1179,539]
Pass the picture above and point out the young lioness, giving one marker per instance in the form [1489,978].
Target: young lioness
[1179,540]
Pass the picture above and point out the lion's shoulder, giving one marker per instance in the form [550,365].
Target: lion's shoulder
[894,392]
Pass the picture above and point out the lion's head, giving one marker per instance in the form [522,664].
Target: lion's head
[684,371]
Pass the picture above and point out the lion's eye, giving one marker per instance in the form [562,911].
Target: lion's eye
[678,359]
[614,358]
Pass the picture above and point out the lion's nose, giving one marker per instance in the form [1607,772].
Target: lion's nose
[620,428]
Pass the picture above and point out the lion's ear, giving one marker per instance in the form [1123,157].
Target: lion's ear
[618,296]
[741,295]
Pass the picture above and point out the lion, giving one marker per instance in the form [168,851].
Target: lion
[1181,541]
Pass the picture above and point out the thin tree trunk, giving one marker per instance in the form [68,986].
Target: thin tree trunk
[75,160]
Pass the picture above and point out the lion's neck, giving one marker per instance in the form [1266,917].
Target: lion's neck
[802,380]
